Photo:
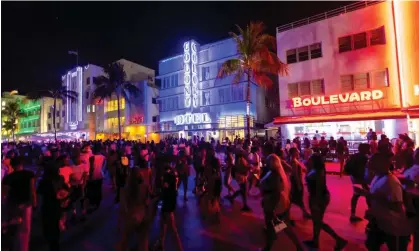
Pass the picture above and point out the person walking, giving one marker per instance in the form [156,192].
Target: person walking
[18,190]
[319,199]
[242,169]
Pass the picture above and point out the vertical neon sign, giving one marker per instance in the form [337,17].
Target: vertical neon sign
[80,85]
[187,73]
[194,60]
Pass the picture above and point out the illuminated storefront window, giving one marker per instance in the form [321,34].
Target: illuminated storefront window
[233,122]
[112,105]
[113,122]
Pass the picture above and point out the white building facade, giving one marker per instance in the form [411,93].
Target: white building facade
[345,75]
[194,102]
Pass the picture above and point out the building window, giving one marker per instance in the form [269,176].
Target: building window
[291,56]
[63,114]
[153,100]
[49,115]
[175,80]
[49,127]
[221,96]
[87,81]
[88,108]
[346,83]
[316,50]
[205,73]
[361,81]
[58,114]
[305,88]
[377,36]
[345,44]
[303,54]
[154,118]
[93,108]
[87,95]
[317,87]
[380,78]
[237,92]
[58,125]
[292,90]
[206,98]
[360,40]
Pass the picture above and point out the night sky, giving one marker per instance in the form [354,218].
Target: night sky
[36,36]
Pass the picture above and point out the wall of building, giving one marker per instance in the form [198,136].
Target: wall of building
[407,23]
[333,64]
[46,115]
[218,97]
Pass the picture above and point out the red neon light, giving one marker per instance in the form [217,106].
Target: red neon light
[337,98]
[136,120]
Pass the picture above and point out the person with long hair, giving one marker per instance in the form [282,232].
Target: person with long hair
[168,196]
[134,212]
[210,199]
[242,169]
[55,198]
[229,165]
[319,199]
[297,188]
[275,189]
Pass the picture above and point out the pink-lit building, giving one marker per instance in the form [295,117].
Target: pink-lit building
[351,69]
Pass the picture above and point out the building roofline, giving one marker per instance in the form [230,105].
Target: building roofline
[202,47]
[326,15]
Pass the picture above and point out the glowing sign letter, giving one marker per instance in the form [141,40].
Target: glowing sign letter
[365,95]
[354,97]
[296,102]
[377,94]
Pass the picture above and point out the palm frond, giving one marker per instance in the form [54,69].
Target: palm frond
[262,79]
[68,94]
[102,92]
[229,67]
[130,90]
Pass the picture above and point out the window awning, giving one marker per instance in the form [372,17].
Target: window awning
[344,117]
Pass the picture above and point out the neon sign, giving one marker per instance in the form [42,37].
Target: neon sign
[136,120]
[73,125]
[338,98]
[194,60]
[192,118]
[416,90]
[187,73]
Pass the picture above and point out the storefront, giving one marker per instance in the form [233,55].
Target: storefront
[346,115]
[206,125]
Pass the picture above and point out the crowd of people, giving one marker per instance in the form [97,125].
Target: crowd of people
[70,176]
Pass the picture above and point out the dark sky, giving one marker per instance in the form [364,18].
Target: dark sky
[36,36]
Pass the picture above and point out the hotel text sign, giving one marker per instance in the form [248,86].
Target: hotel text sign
[190,68]
[192,118]
[337,98]
[187,73]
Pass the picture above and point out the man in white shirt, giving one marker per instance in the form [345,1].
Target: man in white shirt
[388,224]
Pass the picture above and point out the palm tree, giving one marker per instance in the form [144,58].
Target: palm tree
[59,93]
[115,82]
[12,113]
[257,61]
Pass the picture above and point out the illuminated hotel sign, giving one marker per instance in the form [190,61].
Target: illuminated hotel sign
[190,78]
[338,98]
[194,60]
[192,118]
[187,73]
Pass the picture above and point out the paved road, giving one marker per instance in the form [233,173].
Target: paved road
[237,231]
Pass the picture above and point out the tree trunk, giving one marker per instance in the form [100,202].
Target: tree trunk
[13,135]
[119,115]
[248,106]
[53,119]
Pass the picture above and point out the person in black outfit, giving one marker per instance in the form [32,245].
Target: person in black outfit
[54,193]
[169,197]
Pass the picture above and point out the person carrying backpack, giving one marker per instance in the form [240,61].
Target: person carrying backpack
[356,167]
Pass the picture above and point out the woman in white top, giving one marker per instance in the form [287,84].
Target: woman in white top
[78,182]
